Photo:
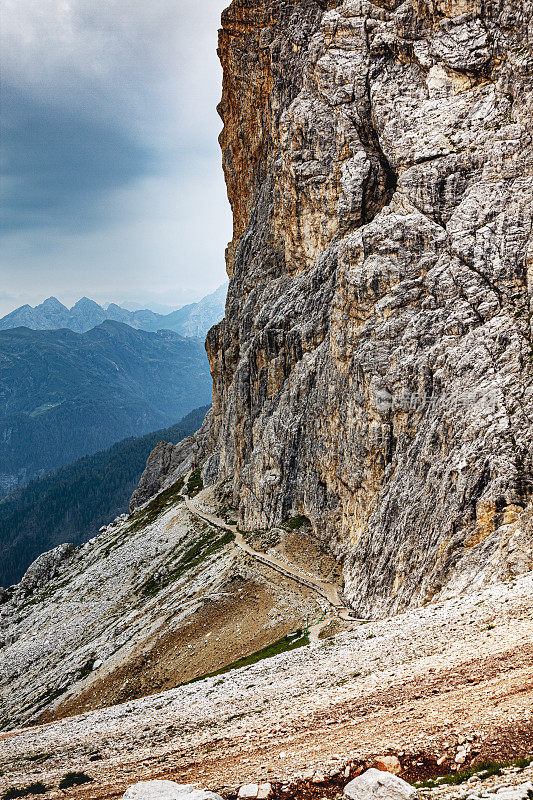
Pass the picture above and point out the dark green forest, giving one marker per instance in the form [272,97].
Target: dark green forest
[71,504]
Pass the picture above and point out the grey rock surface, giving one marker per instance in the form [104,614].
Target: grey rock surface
[168,463]
[48,566]
[469,648]
[102,623]
[377,785]
[167,790]
[521,791]
[374,368]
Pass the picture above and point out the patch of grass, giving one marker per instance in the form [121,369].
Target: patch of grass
[24,791]
[483,770]
[295,523]
[490,772]
[195,483]
[74,779]
[281,646]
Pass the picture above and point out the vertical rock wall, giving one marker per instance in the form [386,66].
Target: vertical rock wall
[373,371]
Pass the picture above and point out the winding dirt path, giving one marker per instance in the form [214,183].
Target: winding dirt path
[327,590]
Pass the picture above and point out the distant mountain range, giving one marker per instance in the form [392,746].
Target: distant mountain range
[64,394]
[191,320]
[70,504]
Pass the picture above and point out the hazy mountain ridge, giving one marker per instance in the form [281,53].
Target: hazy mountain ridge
[64,395]
[194,319]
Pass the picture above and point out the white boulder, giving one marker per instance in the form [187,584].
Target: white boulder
[255,791]
[167,790]
[521,792]
[249,791]
[377,785]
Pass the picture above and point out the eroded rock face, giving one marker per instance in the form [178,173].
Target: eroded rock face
[167,463]
[48,566]
[164,460]
[373,371]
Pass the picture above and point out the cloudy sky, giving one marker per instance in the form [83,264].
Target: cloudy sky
[112,185]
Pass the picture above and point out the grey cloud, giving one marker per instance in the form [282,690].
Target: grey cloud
[110,146]
[57,163]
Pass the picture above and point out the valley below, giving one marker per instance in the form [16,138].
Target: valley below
[65,395]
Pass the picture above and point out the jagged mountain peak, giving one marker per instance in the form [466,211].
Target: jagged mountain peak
[86,303]
[51,304]
[194,319]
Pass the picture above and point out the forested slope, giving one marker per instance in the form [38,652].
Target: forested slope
[73,502]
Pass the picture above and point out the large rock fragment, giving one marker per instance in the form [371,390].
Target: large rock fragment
[461,43]
[167,463]
[255,791]
[46,567]
[377,785]
[388,764]
[167,790]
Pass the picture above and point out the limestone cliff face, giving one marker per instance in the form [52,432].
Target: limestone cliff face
[373,370]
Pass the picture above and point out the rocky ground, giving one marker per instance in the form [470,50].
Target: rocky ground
[438,688]
[155,600]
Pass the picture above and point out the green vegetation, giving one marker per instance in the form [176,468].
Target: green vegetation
[290,642]
[195,483]
[295,523]
[74,779]
[24,791]
[70,505]
[484,770]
